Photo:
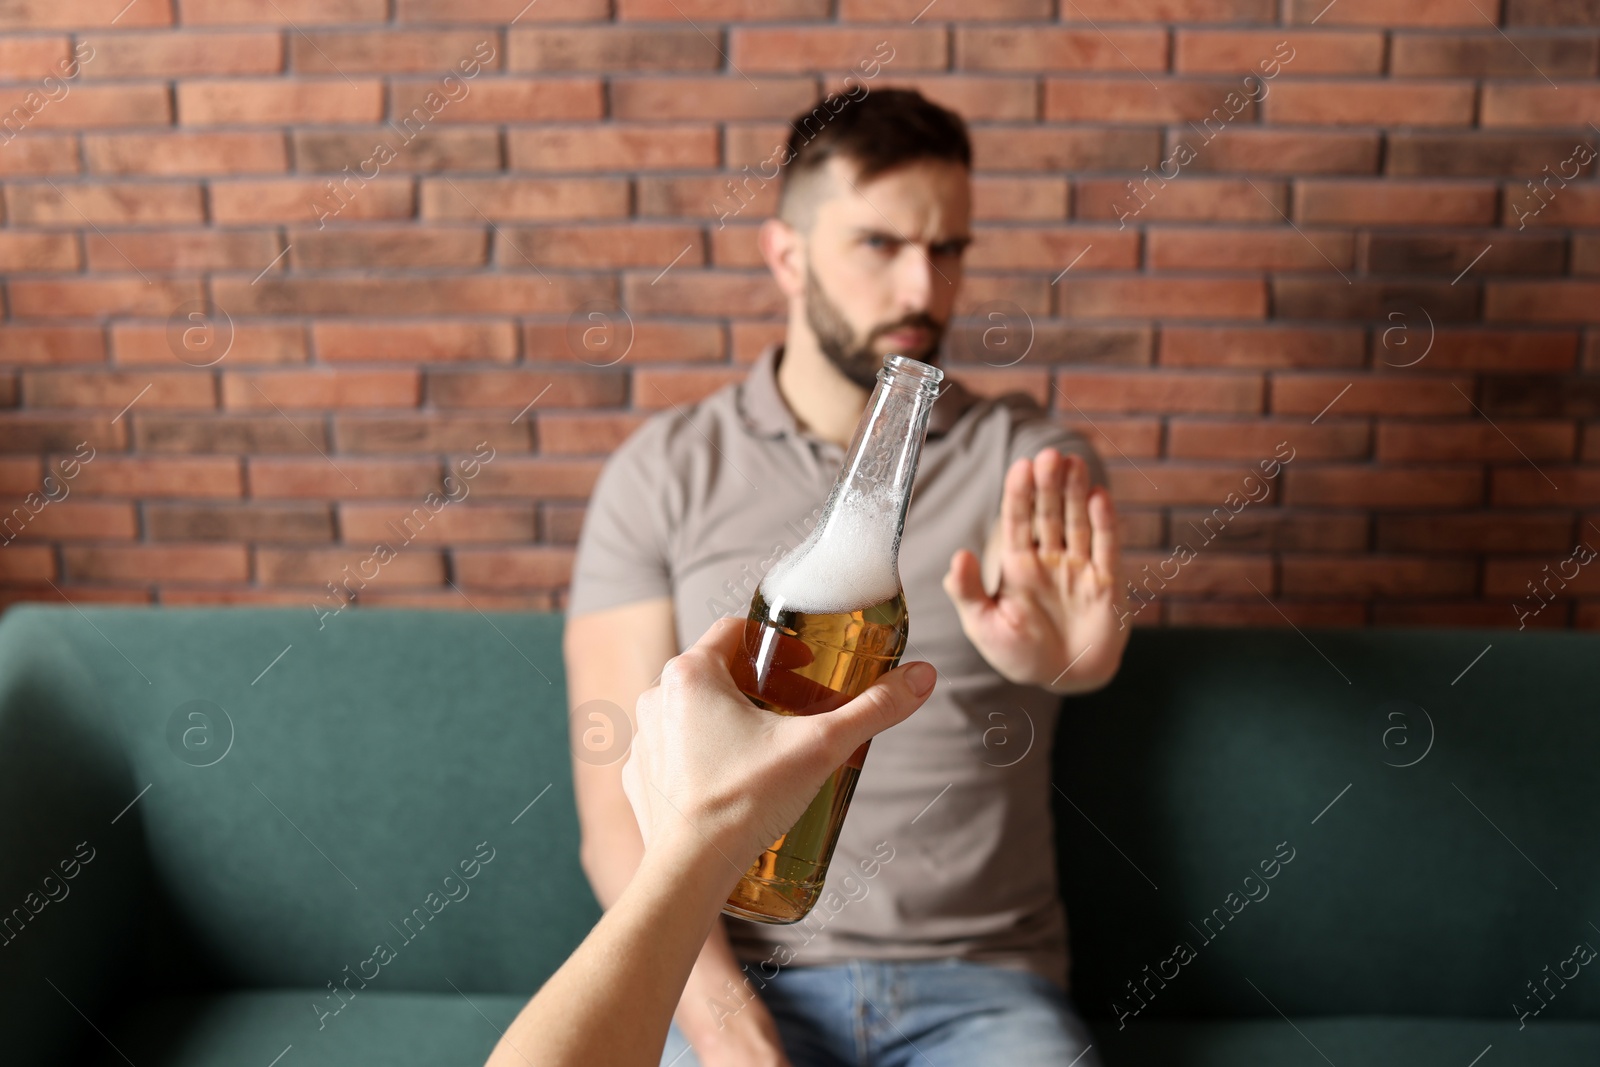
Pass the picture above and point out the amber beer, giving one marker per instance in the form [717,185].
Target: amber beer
[828,620]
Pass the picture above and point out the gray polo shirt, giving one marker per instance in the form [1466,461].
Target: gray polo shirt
[948,849]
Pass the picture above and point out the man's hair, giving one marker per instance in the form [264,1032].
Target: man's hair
[878,131]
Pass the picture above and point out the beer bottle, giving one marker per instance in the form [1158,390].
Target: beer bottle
[828,619]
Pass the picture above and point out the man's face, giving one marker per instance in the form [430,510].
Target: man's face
[883,264]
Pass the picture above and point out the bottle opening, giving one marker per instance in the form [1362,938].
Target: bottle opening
[913,368]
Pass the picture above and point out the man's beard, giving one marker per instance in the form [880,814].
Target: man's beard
[857,360]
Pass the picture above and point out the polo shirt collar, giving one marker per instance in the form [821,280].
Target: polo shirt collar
[767,412]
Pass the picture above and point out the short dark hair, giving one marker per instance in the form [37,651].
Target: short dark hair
[878,130]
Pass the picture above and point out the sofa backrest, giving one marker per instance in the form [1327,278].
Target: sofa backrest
[1439,797]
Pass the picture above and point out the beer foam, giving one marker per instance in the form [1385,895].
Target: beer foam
[847,562]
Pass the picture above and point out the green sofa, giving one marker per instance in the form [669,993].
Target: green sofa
[217,816]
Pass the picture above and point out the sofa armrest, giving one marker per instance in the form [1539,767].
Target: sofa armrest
[71,864]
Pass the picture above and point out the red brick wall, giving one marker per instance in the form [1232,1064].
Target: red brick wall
[1363,199]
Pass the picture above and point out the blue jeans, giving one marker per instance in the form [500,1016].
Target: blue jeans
[921,1014]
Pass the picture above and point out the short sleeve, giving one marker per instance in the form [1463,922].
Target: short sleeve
[622,553]
[1034,428]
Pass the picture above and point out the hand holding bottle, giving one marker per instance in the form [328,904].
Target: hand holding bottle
[711,773]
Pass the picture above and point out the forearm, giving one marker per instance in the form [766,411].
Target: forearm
[613,999]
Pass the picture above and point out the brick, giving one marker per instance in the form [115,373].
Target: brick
[1132,99]
[393,246]
[110,203]
[1554,204]
[279,102]
[1552,12]
[1210,574]
[413,150]
[1234,614]
[736,246]
[37,155]
[289,13]
[1528,351]
[713,98]
[949,10]
[417,104]
[418,341]
[1550,486]
[348,568]
[34,57]
[145,477]
[614,49]
[156,562]
[1131,438]
[675,146]
[54,345]
[1450,255]
[311,200]
[456,523]
[1261,346]
[88,107]
[1458,155]
[501,293]
[748,144]
[654,389]
[1586,254]
[585,433]
[181,154]
[313,478]
[164,54]
[1542,301]
[116,390]
[1372,576]
[1533,580]
[1059,149]
[310,390]
[1392,202]
[26,563]
[88,14]
[1388,394]
[1169,11]
[254,343]
[1475,532]
[21,251]
[239,522]
[98,297]
[1183,298]
[1197,51]
[531,478]
[1507,440]
[710,293]
[513,390]
[230,596]
[1148,197]
[429,432]
[182,250]
[533,199]
[1024,199]
[597,247]
[1129,392]
[1259,440]
[707,197]
[1365,486]
[1035,49]
[209,435]
[1343,103]
[1271,530]
[1393,13]
[1325,298]
[1052,248]
[1541,395]
[720,10]
[76,520]
[466,53]
[652,342]
[1200,484]
[1489,55]
[523,568]
[1533,105]
[1272,248]
[499,12]
[1267,151]
[980,98]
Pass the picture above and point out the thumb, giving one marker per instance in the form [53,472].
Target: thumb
[888,701]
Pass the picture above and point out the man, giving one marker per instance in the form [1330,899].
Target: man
[940,936]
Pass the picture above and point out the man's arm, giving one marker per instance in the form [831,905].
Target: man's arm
[615,655]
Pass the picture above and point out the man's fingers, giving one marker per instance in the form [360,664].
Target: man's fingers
[1016,508]
[1107,550]
[1047,484]
[1078,520]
